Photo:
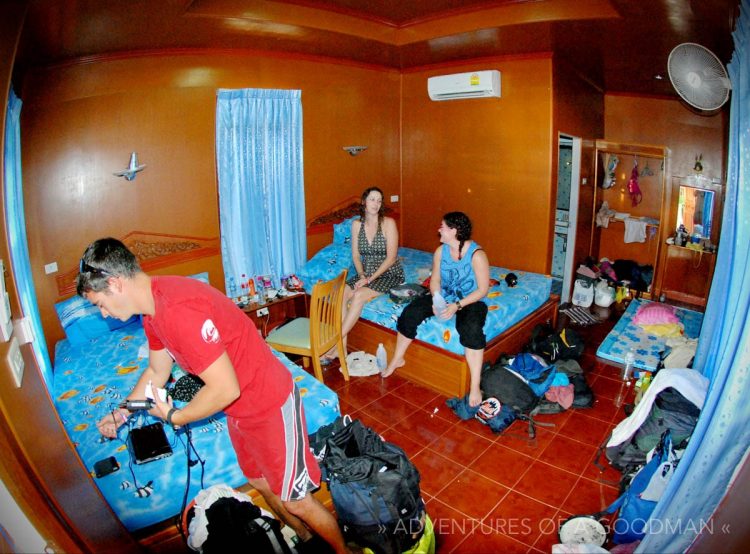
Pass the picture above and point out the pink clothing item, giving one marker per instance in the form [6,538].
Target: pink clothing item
[563,395]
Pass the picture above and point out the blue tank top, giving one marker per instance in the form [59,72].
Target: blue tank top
[457,278]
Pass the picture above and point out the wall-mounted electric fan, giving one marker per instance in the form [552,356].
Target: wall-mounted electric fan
[698,76]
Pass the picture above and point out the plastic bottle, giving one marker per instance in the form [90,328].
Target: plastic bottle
[438,302]
[627,372]
[232,292]
[381,358]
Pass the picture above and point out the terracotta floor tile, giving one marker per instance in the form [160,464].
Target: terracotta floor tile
[589,497]
[516,437]
[485,540]
[605,387]
[521,518]
[603,408]
[423,427]
[546,483]
[472,494]
[418,395]
[502,464]
[585,429]
[451,526]
[460,445]
[368,419]
[390,409]
[435,471]
[359,394]
[409,445]
[610,476]
[568,454]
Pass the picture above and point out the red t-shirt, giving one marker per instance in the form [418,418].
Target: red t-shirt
[196,323]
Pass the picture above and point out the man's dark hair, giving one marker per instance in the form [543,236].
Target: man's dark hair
[462,224]
[102,259]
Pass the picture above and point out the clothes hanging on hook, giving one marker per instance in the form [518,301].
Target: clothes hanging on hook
[633,189]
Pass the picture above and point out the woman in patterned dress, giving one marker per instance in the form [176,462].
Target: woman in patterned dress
[375,257]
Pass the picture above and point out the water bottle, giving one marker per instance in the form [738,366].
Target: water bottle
[232,292]
[438,302]
[627,372]
[381,358]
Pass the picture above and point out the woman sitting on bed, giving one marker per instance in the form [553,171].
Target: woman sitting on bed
[461,273]
[375,257]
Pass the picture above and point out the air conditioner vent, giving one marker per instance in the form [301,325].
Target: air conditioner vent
[475,84]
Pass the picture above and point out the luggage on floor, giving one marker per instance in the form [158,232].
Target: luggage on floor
[553,346]
[221,518]
[375,490]
[672,402]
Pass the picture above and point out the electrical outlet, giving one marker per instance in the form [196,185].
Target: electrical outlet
[15,361]
[261,312]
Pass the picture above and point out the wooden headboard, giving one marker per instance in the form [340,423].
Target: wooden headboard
[154,251]
[345,209]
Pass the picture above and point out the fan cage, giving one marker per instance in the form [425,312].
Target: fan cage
[698,76]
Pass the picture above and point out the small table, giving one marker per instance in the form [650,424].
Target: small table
[280,310]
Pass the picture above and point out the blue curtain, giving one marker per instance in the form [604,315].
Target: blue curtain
[261,187]
[19,246]
[719,444]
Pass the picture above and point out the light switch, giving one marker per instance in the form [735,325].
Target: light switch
[15,361]
[50,268]
[394,198]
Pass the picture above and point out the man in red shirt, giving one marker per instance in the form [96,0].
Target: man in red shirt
[206,334]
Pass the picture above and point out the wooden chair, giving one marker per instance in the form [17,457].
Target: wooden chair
[314,336]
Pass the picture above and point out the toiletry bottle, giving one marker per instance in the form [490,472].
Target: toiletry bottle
[438,302]
[627,372]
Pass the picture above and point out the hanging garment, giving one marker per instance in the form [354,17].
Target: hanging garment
[635,230]
[633,189]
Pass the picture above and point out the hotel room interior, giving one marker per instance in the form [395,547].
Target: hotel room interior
[99,80]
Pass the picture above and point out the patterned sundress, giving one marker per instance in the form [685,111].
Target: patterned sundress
[372,256]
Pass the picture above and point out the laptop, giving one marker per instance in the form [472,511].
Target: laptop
[149,443]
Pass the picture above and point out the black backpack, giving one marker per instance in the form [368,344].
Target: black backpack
[499,382]
[553,346]
[232,522]
[375,490]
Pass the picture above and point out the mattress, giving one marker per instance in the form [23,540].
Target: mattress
[90,380]
[507,305]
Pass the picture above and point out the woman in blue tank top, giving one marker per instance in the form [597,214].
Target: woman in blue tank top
[461,275]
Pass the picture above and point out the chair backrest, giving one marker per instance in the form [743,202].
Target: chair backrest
[325,312]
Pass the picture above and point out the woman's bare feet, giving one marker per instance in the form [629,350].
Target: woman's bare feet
[475,398]
[393,366]
[329,356]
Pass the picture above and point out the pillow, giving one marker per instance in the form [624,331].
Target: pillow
[655,313]
[82,321]
[342,232]
[202,277]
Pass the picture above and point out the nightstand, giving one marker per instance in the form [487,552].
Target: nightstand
[280,310]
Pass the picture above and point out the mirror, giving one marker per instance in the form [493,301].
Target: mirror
[695,210]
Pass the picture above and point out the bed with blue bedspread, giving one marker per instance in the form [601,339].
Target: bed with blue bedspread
[436,358]
[93,374]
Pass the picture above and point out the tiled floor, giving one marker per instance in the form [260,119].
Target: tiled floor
[488,492]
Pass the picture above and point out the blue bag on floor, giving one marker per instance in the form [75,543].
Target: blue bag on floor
[635,510]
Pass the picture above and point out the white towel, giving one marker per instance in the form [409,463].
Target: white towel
[635,230]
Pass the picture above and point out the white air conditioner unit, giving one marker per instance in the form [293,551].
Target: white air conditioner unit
[477,84]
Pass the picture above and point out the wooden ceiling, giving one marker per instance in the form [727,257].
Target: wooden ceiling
[619,45]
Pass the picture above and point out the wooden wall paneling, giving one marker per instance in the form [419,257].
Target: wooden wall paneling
[38,465]
[490,158]
[81,121]
[579,112]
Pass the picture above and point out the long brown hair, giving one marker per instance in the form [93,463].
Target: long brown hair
[363,200]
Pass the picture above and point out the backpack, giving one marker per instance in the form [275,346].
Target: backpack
[499,382]
[232,522]
[375,490]
[637,503]
[552,346]
[671,412]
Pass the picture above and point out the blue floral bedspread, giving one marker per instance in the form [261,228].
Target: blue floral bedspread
[507,306]
[91,380]
[626,335]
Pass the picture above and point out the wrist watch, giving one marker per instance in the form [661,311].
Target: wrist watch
[458,305]
[170,413]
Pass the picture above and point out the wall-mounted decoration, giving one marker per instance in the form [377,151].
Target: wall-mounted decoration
[132,169]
